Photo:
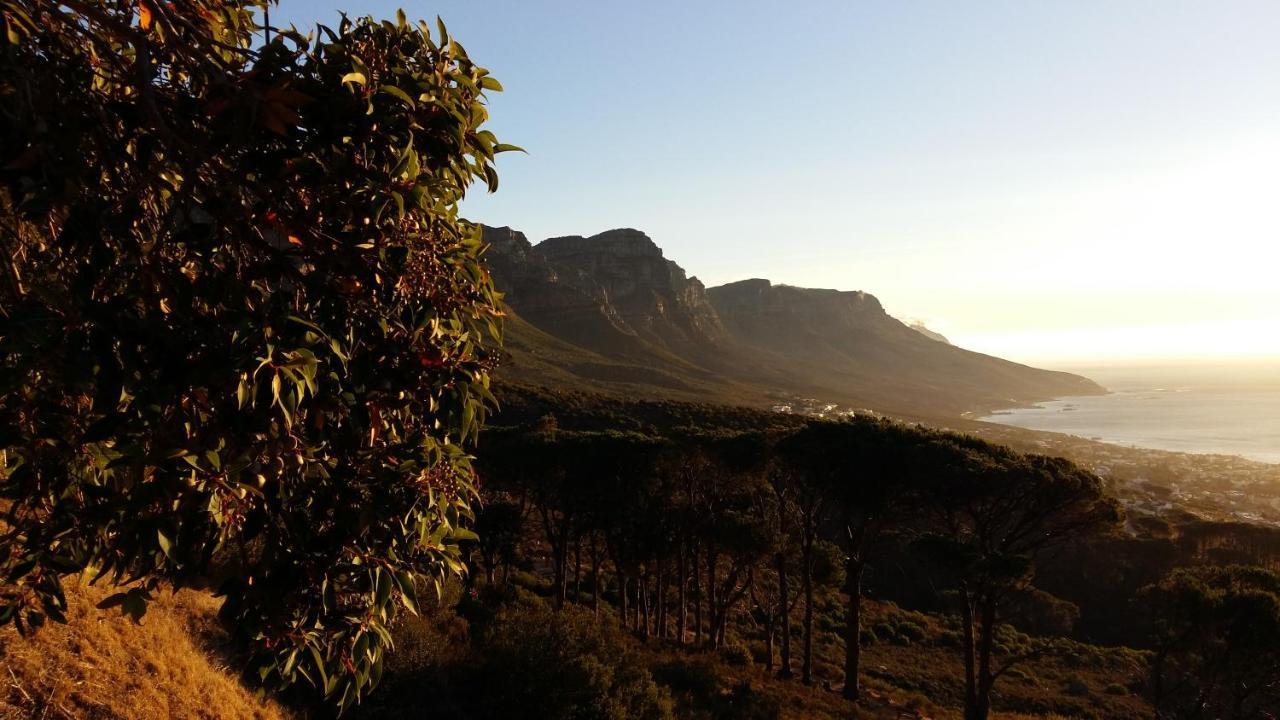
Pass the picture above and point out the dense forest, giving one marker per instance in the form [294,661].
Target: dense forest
[248,345]
[801,547]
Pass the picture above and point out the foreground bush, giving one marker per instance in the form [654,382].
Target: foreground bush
[239,316]
[564,665]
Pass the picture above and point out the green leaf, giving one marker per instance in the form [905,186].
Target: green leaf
[290,662]
[399,199]
[166,545]
[354,77]
[401,95]
[319,664]
[464,535]
[242,391]
[383,590]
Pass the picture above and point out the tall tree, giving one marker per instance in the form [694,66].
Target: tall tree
[865,469]
[996,515]
[1216,633]
[239,309]
[808,505]
[774,593]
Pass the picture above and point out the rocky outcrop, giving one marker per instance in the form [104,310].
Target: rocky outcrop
[613,292]
[920,327]
[561,301]
[651,294]
[768,315]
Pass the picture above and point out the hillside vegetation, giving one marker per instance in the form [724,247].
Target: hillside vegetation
[247,345]
[588,624]
[101,665]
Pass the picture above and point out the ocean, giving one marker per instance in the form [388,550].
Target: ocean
[1230,408]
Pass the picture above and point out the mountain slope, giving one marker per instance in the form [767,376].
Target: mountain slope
[846,344]
[611,313]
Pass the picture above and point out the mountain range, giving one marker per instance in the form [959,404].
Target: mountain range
[609,313]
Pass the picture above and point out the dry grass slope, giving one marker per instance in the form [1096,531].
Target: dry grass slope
[101,665]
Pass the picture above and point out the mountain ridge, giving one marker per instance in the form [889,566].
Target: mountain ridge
[609,312]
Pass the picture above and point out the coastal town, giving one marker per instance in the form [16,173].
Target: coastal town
[1148,482]
[1159,482]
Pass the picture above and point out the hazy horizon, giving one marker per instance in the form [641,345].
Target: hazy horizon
[1055,184]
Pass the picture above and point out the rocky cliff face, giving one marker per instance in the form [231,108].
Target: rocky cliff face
[615,295]
[560,301]
[606,292]
[768,315]
[652,294]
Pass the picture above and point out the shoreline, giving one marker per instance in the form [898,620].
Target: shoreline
[999,417]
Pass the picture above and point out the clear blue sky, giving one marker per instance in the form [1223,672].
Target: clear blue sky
[1050,181]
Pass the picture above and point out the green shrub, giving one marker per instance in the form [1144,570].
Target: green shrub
[736,654]
[562,665]
[745,703]
[921,703]
[1020,674]
[829,622]
[910,631]
[697,684]
[759,651]
[243,303]
[1116,689]
[1077,687]
[416,676]
[696,678]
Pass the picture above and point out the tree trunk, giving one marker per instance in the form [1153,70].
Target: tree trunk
[806,662]
[682,617]
[769,628]
[577,570]
[562,574]
[784,609]
[970,666]
[558,551]
[595,577]
[660,592]
[713,605]
[986,644]
[622,596]
[637,603]
[697,596]
[853,628]
[646,604]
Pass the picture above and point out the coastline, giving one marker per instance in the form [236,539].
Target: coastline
[1038,414]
